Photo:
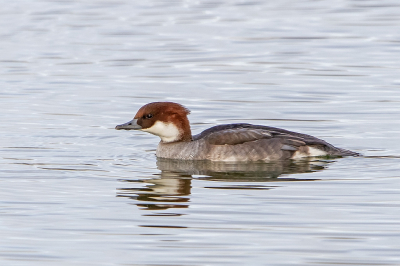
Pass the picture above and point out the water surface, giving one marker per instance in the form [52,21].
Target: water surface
[74,191]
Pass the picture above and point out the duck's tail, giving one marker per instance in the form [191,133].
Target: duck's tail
[344,152]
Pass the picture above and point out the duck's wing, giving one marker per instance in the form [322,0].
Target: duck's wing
[236,136]
[233,134]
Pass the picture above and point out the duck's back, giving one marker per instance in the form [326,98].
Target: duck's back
[246,142]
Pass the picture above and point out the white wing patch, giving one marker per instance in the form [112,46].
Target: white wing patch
[316,152]
[168,132]
[312,152]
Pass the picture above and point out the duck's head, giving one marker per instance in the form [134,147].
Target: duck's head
[164,119]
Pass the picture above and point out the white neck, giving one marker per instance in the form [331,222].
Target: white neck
[168,132]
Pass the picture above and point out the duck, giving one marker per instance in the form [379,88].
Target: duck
[228,142]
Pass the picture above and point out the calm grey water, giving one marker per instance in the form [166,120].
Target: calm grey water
[74,191]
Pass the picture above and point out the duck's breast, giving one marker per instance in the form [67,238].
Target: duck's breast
[192,150]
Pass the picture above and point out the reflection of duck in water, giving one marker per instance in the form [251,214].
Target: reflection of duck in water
[240,171]
[172,188]
[167,190]
[233,142]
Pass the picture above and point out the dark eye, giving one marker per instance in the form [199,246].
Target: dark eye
[148,116]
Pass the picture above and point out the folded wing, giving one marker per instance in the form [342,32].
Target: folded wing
[236,134]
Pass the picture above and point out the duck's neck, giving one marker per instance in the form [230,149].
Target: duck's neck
[184,130]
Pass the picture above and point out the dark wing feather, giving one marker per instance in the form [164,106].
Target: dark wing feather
[233,134]
[248,132]
[236,136]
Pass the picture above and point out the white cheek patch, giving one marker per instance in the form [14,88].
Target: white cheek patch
[168,132]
